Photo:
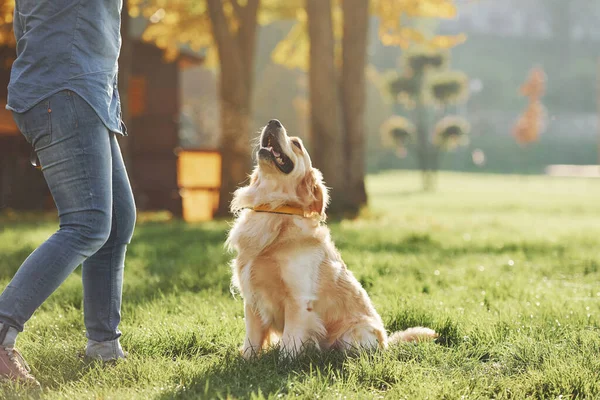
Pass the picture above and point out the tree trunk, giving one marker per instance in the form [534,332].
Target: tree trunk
[125,65]
[236,67]
[423,136]
[235,140]
[326,141]
[436,152]
[354,53]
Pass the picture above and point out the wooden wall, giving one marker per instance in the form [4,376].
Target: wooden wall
[154,104]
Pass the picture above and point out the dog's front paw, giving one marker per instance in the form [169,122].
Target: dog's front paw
[248,352]
[290,348]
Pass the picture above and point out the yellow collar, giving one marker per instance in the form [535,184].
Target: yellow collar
[289,210]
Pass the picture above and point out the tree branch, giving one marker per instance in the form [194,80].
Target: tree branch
[219,23]
[229,56]
[247,35]
[239,10]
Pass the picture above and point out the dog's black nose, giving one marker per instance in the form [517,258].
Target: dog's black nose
[275,122]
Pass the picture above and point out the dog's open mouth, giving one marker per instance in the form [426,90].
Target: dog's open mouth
[271,150]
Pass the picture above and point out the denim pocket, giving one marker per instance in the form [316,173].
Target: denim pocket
[36,124]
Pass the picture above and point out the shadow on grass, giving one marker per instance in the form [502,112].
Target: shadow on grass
[424,244]
[191,258]
[234,377]
[177,257]
[269,375]
[167,257]
[162,258]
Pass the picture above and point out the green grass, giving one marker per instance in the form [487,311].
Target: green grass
[505,267]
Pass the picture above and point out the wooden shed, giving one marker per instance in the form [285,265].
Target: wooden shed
[155,169]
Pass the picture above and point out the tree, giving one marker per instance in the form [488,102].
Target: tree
[425,81]
[348,22]
[226,30]
[236,56]
[326,141]
[354,96]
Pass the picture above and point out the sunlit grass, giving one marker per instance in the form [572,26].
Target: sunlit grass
[506,268]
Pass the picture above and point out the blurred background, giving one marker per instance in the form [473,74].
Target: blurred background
[481,86]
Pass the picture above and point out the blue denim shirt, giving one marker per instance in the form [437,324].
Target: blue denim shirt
[68,45]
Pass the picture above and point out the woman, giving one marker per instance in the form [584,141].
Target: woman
[64,98]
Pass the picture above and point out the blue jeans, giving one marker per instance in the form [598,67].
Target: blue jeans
[83,167]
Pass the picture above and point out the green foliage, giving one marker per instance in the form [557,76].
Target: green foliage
[397,132]
[505,268]
[420,59]
[451,132]
[402,88]
[448,87]
[404,84]
[424,79]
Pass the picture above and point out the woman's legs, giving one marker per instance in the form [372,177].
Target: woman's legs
[102,273]
[84,170]
[75,153]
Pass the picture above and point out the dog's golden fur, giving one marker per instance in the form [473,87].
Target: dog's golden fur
[295,286]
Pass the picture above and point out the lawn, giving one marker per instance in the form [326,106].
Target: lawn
[506,268]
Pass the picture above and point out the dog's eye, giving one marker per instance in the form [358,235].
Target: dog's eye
[297,144]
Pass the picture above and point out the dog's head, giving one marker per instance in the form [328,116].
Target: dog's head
[284,175]
[280,155]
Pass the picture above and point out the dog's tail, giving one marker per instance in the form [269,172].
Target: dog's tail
[416,334]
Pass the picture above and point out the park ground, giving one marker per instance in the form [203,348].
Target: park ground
[506,268]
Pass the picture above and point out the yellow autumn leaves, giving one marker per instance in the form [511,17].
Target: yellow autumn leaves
[393,32]
[6,19]
[292,51]
[173,23]
[187,22]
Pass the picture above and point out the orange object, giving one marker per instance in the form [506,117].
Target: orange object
[199,205]
[532,122]
[199,181]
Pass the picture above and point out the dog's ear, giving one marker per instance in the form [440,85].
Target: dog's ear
[318,193]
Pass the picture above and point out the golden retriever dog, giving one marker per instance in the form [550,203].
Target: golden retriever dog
[295,286]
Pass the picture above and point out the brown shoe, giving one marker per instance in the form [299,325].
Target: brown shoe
[13,367]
